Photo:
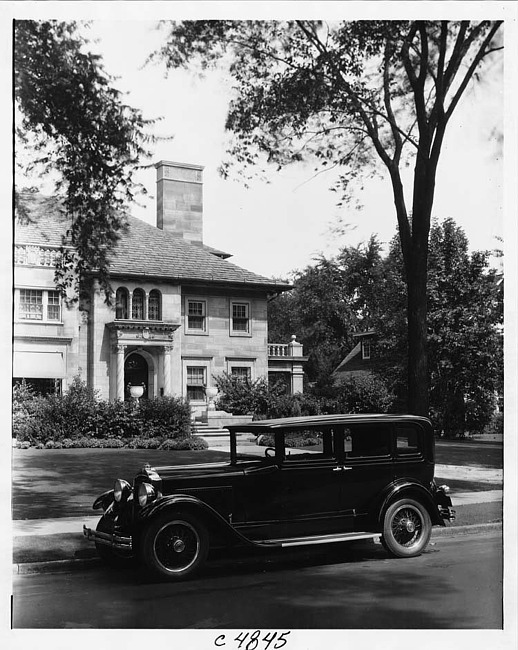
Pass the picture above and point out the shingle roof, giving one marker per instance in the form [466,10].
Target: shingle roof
[144,250]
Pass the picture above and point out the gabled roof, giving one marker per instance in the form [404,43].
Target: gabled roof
[147,252]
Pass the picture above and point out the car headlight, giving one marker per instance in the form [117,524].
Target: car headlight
[146,493]
[121,490]
[445,488]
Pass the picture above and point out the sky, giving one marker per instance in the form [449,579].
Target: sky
[277,228]
[282,226]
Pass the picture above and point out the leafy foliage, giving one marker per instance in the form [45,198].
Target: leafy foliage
[243,396]
[79,419]
[359,395]
[331,300]
[465,316]
[77,124]
[347,95]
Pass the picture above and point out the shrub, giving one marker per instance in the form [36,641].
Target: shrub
[193,443]
[496,426]
[361,394]
[166,417]
[245,396]
[78,417]
[295,440]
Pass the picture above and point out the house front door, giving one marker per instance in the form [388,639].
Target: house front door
[136,373]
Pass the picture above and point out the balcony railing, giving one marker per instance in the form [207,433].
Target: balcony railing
[291,349]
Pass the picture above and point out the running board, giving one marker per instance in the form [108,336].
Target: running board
[315,539]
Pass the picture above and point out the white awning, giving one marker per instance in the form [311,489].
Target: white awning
[39,365]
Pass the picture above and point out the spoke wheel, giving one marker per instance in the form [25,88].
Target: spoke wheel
[406,528]
[175,546]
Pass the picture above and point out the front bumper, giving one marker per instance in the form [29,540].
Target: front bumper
[447,512]
[108,539]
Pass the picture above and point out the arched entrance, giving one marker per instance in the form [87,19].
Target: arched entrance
[136,373]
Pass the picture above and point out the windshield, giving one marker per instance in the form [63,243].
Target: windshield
[278,444]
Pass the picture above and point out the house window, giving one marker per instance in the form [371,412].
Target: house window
[154,305]
[240,318]
[196,383]
[121,304]
[53,306]
[36,304]
[31,304]
[366,349]
[137,306]
[197,315]
[241,372]
[40,386]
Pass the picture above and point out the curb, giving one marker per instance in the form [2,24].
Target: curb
[83,563]
[55,565]
[451,531]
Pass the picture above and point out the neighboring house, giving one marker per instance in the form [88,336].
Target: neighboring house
[360,360]
[182,313]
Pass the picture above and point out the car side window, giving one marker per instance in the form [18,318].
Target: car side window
[407,440]
[308,443]
[367,441]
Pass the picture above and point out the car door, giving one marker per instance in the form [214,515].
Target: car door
[367,468]
[301,496]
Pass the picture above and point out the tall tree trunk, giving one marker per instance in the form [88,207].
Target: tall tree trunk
[414,234]
[418,396]
[416,262]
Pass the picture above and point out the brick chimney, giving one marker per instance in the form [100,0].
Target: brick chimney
[180,200]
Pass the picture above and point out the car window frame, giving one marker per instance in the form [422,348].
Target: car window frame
[370,458]
[336,455]
[420,454]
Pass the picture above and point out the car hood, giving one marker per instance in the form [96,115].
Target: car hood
[199,470]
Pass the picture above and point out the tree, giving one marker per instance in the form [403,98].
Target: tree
[76,123]
[465,341]
[349,94]
[330,301]
[465,315]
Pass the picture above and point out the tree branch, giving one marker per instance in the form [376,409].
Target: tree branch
[478,57]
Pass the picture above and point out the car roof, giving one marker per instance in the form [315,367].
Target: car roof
[324,420]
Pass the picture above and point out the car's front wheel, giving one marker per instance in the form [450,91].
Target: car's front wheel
[406,528]
[175,545]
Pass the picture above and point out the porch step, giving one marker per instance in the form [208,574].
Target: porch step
[217,437]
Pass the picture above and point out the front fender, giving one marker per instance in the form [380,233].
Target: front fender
[104,501]
[407,487]
[193,505]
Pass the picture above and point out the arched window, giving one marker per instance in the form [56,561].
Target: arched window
[121,304]
[137,307]
[154,305]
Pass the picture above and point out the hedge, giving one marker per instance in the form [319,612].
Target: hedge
[78,418]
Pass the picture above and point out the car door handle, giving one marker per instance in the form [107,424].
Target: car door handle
[341,468]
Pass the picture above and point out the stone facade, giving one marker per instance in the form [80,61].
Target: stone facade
[180,315]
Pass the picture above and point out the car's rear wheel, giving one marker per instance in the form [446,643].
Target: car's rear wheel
[174,546]
[406,528]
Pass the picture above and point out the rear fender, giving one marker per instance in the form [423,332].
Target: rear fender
[407,488]
[189,503]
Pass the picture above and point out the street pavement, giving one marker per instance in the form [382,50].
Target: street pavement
[48,543]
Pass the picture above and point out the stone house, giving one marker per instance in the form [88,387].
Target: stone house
[182,313]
